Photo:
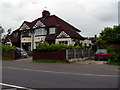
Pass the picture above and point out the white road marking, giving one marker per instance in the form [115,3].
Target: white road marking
[64,72]
[14,86]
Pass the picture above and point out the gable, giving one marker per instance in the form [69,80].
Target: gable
[38,24]
[63,34]
[24,27]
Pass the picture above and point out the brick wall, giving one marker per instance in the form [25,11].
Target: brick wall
[9,54]
[49,55]
[116,46]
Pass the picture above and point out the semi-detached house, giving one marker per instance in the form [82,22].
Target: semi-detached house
[49,28]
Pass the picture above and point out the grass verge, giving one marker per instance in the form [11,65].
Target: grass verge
[113,63]
[5,59]
[49,61]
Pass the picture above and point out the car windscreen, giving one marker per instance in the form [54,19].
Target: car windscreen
[101,51]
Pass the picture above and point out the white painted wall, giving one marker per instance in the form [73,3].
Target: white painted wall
[70,41]
[86,41]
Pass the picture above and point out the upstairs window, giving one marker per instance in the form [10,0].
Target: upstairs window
[15,35]
[52,30]
[26,33]
[40,31]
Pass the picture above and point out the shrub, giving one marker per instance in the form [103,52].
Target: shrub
[114,57]
[6,48]
[114,54]
[54,47]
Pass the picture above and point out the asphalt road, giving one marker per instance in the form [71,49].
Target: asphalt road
[46,75]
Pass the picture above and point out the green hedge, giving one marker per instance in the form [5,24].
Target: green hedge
[54,47]
[6,48]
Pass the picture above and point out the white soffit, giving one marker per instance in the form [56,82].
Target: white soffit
[63,34]
[39,24]
[24,27]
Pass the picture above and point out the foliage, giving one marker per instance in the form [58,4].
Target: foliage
[5,59]
[113,63]
[54,47]
[109,36]
[50,61]
[6,48]
[114,57]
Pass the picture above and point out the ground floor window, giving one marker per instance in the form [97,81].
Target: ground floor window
[26,46]
[63,42]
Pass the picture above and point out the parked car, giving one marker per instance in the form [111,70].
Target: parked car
[21,53]
[102,54]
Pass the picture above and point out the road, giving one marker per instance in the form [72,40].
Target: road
[49,75]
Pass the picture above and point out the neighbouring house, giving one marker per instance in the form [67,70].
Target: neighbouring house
[88,42]
[49,28]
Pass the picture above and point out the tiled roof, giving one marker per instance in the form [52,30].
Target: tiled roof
[60,24]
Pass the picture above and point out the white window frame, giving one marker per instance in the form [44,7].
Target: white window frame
[40,31]
[63,42]
[52,30]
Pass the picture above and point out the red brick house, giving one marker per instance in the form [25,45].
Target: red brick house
[49,28]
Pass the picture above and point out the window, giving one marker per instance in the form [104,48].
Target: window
[26,33]
[52,30]
[63,42]
[40,31]
[15,35]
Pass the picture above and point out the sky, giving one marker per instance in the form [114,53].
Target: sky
[89,16]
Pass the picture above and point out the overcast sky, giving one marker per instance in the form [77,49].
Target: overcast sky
[90,16]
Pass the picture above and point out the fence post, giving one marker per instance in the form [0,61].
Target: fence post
[74,54]
[66,54]
[88,52]
[82,54]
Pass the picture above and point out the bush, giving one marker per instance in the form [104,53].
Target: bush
[54,47]
[114,54]
[114,57]
[6,48]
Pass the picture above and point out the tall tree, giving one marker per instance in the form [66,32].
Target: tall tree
[1,32]
[109,36]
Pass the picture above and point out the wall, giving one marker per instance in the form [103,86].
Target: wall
[116,46]
[9,54]
[86,41]
[65,39]
[49,55]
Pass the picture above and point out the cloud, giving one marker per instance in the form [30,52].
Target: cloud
[90,16]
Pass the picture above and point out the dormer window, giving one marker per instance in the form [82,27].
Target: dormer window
[52,30]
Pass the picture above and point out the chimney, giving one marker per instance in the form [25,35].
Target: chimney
[45,14]
[95,36]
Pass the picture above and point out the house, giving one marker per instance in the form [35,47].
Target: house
[49,28]
[88,42]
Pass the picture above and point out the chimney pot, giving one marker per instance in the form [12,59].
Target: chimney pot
[45,13]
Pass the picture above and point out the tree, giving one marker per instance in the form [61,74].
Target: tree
[4,38]
[109,36]
[1,32]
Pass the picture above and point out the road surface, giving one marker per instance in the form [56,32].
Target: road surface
[49,75]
